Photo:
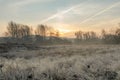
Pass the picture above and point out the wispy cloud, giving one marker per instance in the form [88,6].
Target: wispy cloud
[83,13]
[101,12]
[57,15]
[62,12]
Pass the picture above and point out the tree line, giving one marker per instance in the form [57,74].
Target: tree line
[24,33]
[105,36]
[45,34]
[111,38]
[90,35]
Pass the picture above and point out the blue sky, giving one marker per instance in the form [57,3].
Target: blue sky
[66,15]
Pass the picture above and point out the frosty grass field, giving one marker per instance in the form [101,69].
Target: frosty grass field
[62,62]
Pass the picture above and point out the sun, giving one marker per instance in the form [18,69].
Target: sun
[63,30]
[60,28]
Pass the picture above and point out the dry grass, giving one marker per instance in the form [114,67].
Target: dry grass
[64,62]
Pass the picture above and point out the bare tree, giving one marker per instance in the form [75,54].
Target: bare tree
[79,35]
[117,32]
[25,31]
[103,33]
[41,30]
[57,34]
[86,35]
[93,35]
[13,29]
[18,30]
[50,31]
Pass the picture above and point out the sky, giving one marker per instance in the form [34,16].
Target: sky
[65,15]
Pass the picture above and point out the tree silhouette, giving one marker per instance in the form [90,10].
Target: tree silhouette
[79,35]
[41,31]
[57,34]
[18,30]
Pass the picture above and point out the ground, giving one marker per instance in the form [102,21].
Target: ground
[62,62]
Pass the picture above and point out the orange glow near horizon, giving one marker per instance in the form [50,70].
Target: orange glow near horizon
[68,30]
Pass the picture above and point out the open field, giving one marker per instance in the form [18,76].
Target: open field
[62,62]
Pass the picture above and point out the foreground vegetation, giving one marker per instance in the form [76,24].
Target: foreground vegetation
[41,54]
[63,62]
